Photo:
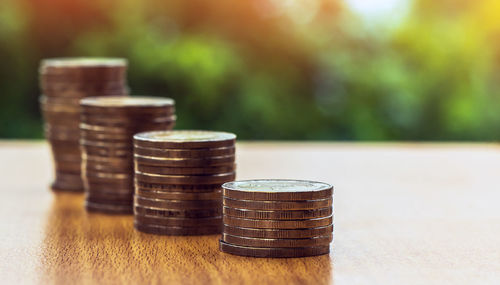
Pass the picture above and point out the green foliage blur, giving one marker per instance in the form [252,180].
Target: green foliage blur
[269,69]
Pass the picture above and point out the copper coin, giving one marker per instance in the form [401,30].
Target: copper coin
[176,204]
[108,209]
[277,190]
[116,201]
[183,170]
[77,66]
[216,195]
[67,182]
[111,76]
[111,160]
[180,213]
[187,188]
[277,224]
[177,231]
[128,196]
[178,222]
[88,86]
[49,101]
[109,187]
[65,157]
[266,242]
[68,167]
[184,139]
[124,130]
[126,122]
[89,166]
[184,153]
[185,162]
[274,252]
[278,233]
[91,180]
[67,136]
[107,144]
[127,104]
[278,215]
[107,151]
[105,137]
[186,179]
[108,175]
[278,205]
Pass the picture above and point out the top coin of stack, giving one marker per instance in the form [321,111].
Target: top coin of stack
[277,218]
[63,83]
[108,125]
[178,177]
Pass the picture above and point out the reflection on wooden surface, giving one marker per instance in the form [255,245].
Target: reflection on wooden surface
[106,249]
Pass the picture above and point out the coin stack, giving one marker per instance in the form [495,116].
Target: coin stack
[277,218]
[63,83]
[107,128]
[178,178]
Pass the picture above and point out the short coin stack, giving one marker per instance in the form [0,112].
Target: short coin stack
[107,127]
[63,83]
[277,218]
[178,178]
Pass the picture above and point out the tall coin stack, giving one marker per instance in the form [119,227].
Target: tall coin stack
[107,127]
[63,83]
[277,218]
[178,178]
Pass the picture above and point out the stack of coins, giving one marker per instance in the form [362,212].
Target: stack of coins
[63,83]
[277,218]
[178,178]
[107,128]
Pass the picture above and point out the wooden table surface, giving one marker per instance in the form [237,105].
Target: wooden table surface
[404,214]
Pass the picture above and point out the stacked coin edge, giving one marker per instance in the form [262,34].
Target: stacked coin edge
[107,129]
[278,224]
[178,181]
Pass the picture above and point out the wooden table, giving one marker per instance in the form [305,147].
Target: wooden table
[404,214]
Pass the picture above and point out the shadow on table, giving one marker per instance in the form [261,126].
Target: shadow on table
[81,247]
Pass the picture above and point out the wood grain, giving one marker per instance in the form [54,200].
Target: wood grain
[404,214]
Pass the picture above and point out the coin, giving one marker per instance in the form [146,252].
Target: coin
[216,195]
[115,201]
[79,66]
[183,170]
[90,166]
[278,215]
[277,224]
[278,233]
[86,142]
[115,103]
[181,213]
[184,139]
[277,190]
[184,153]
[123,196]
[108,209]
[274,252]
[69,167]
[178,231]
[277,205]
[107,151]
[124,130]
[185,162]
[110,187]
[178,222]
[115,121]
[176,204]
[185,179]
[187,188]
[265,242]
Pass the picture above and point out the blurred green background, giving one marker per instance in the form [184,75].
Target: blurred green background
[275,69]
